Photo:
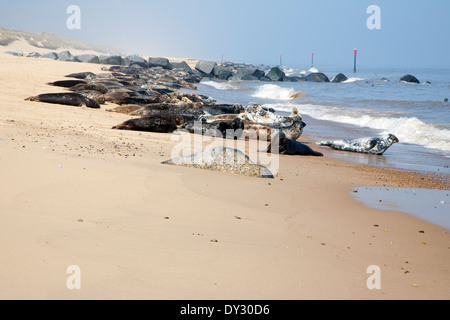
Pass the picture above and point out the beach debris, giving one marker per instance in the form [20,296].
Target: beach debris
[222,159]
[421,231]
[80,220]
[214,240]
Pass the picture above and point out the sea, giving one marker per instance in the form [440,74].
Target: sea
[372,102]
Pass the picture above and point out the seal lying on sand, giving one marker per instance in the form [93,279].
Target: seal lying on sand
[225,129]
[377,145]
[66,98]
[291,147]
[149,124]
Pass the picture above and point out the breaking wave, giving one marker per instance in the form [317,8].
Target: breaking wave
[274,92]
[228,85]
[408,129]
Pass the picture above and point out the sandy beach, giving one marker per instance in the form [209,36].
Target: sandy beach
[75,192]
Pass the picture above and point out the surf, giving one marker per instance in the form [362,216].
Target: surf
[409,130]
[274,92]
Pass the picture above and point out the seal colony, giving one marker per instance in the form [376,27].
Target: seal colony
[157,100]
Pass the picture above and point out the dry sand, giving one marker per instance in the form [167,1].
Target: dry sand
[75,192]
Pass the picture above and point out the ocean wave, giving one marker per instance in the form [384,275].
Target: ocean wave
[409,130]
[274,92]
[228,85]
[350,80]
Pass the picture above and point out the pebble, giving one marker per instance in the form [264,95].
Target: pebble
[214,240]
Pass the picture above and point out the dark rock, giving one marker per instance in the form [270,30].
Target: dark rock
[410,79]
[317,77]
[182,66]
[89,58]
[159,62]
[275,74]
[222,72]
[112,60]
[65,56]
[206,68]
[339,78]
[34,55]
[258,74]
[16,53]
[135,60]
[51,55]
[249,77]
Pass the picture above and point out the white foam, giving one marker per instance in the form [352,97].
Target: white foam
[408,129]
[274,92]
[221,85]
[314,70]
[350,80]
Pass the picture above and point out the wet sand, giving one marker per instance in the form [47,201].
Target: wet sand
[75,192]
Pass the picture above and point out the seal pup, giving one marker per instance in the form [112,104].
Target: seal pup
[67,98]
[377,145]
[149,124]
[291,147]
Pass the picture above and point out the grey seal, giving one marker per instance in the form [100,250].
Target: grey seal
[66,98]
[291,147]
[149,124]
[377,145]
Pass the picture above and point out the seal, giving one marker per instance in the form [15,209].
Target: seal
[66,83]
[291,147]
[66,98]
[149,124]
[89,86]
[225,129]
[377,145]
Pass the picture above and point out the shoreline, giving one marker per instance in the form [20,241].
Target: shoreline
[74,197]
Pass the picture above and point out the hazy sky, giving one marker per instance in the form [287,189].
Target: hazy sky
[414,33]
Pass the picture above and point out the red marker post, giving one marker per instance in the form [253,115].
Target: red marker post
[354,63]
[312,60]
[281,60]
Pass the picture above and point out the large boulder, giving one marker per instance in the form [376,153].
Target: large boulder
[135,60]
[339,78]
[88,58]
[160,62]
[181,66]
[17,53]
[34,54]
[275,74]
[222,73]
[317,77]
[206,68]
[65,56]
[51,55]
[410,79]
[112,60]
